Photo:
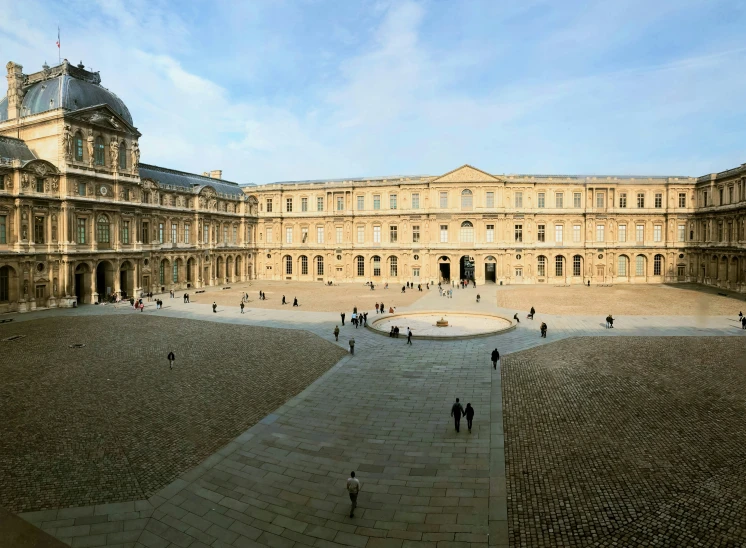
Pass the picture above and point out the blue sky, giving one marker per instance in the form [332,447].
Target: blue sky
[309,89]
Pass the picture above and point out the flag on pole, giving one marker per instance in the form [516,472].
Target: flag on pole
[58,37]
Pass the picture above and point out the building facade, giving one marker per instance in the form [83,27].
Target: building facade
[81,219]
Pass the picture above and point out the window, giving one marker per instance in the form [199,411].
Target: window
[392,201]
[576,199]
[657,265]
[558,233]
[559,265]
[600,233]
[376,201]
[338,234]
[623,200]
[657,230]
[467,199]
[122,156]
[490,199]
[269,205]
[721,196]
[39,230]
[559,200]
[125,232]
[730,194]
[416,272]
[415,200]
[186,232]
[541,266]
[103,229]
[81,189]
[519,272]
[361,234]
[444,233]
[600,199]
[639,265]
[175,275]
[319,265]
[576,233]
[289,205]
[340,203]
[78,147]
[319,204]
[99,151]
[4,284]
[393,266]
[622,232]
[415,233]
[225,235]
[289,235]
[443,200]
[518,232]
[162,272]
[81,230]
[3,229]
[376,234]
[145,233]
[576,265]
[235,235]
[319,234]
[304,234]
[304,204]
[541,233]
[682,233]
[360,203]
[40,184]
[621,269]
[288,264]
[490,233]
[682,199]
[640,233]
[704,200]
[467,232]
[518,199]
[659,201]
[720,231]
[376,265]
[174,229]
[269,235]
[303,265]
[541,200]
[206,233]
[640,199]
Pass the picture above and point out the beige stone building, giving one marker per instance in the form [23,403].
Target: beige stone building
[82,219]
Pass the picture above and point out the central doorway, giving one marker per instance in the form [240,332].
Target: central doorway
[466,268]
[444,269]
[490,270]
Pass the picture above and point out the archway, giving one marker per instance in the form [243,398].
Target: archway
[466,268]
[238,269]
[82,288]
[490,269]
[8,289]
[126,279]
[104,280]
[444,269]
[229,269]
[190,271]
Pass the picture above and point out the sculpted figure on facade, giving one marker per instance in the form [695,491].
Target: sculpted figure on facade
[89,141]
[114,149]
[9,181]
[67,142]
[135,154]
[24,180]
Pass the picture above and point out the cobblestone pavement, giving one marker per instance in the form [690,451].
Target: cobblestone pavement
[626,442]
[110,422]
[383,412]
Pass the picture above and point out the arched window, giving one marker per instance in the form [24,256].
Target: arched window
[319,265]
[559,266]
[541,266]
[576,265]
[467,232]
[288,264]
[176,272]
[640,265]
[99,151]
[360,265]
[162,272]
[657,265]
[303,265]
[4,284]
[102,229]
[467,199]
[376,265]
[122,156]
[393,266]
[621,269]
[78,147]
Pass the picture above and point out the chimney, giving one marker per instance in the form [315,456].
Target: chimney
[205,174]
[216,174]
[15,89]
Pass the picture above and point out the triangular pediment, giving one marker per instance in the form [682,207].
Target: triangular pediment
[103,116]
[466,174]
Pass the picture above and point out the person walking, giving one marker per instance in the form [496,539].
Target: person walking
[295,301]
[515,317]
[336,333]
[353,488]
[343,318]
[365,319]
[383,309]
[283,300]
[469,412]
[743,322]
[214,307]
[531,313]
[242,305]
[495,356]
[376,308]
[409,336]
[543,330]
[456,411]
[352,346]
[171,359]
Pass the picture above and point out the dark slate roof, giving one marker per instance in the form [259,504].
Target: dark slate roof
[11,148]
[180,180]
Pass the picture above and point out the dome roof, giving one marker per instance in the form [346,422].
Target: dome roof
[68,87]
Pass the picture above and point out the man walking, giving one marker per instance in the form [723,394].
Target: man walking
[241,307]
[214,307]
[382,308]
[353,488]
[352,346]
[543,330]
[171,359]
[469,415]
[409,336]
[376,308]
[343,318]
[495,357]
[336,333]
[456,411]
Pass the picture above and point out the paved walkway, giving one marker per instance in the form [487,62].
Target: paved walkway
[384,413]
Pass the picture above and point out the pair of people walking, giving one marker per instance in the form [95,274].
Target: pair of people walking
[457,410]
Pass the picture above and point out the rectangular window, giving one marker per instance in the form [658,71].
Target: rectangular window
[720,232]
[541,200]
[640,199]
[392,201]
[682,233]
[289,235]
[704,200]
[3,229]
[640,233]
[490,199]
[518,199]
[319,204]
[443,200]
[269,205]
[682,199]
[338,234]
[576,233]
[720,191]
[600,233]
[622,233]
[600,199]
[225,234]
[623,200]
[541,233]
[576,265]
[559,200]
[206,234]
[360,203]
[125,232]
[444,233]
[415,233]
[145,233]
[81,189]
[490,233]
[269,235]
[730,194]
[320,234]
[81,230]
[518,232]
[393,234]
[518,272]
[160,233]
[416,200]
[174,228]
[376,201]
[40,184]
[639,265]
[127,194]
[186,232]
[657,233]
[360,234]
[340,203]
[304,204]
[289,205]
[558,233]
[659,201]
[235,235]
[576,199]
[376,234]
[304,235]
[376,266]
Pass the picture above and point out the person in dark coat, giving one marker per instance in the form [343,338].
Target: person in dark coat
[469,412]
[295,301]
[171,359]
[343,318]
[531,313]
[543,330]
[336,332]
[214,307]
[383,309]
[456,411]
[495,357]
[515,317]
[283,300]
[242,305]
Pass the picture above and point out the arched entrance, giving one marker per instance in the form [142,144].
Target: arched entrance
[444,269]
[8,289]
[190,271]
[466,268]
[490,269]
[82,288]
[239,264]
[126,279]
[104,280]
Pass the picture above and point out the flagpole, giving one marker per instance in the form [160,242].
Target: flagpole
[59,49]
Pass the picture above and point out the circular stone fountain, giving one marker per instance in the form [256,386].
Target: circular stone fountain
[439,325]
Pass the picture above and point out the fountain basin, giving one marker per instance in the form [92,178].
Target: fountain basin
[458,325]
